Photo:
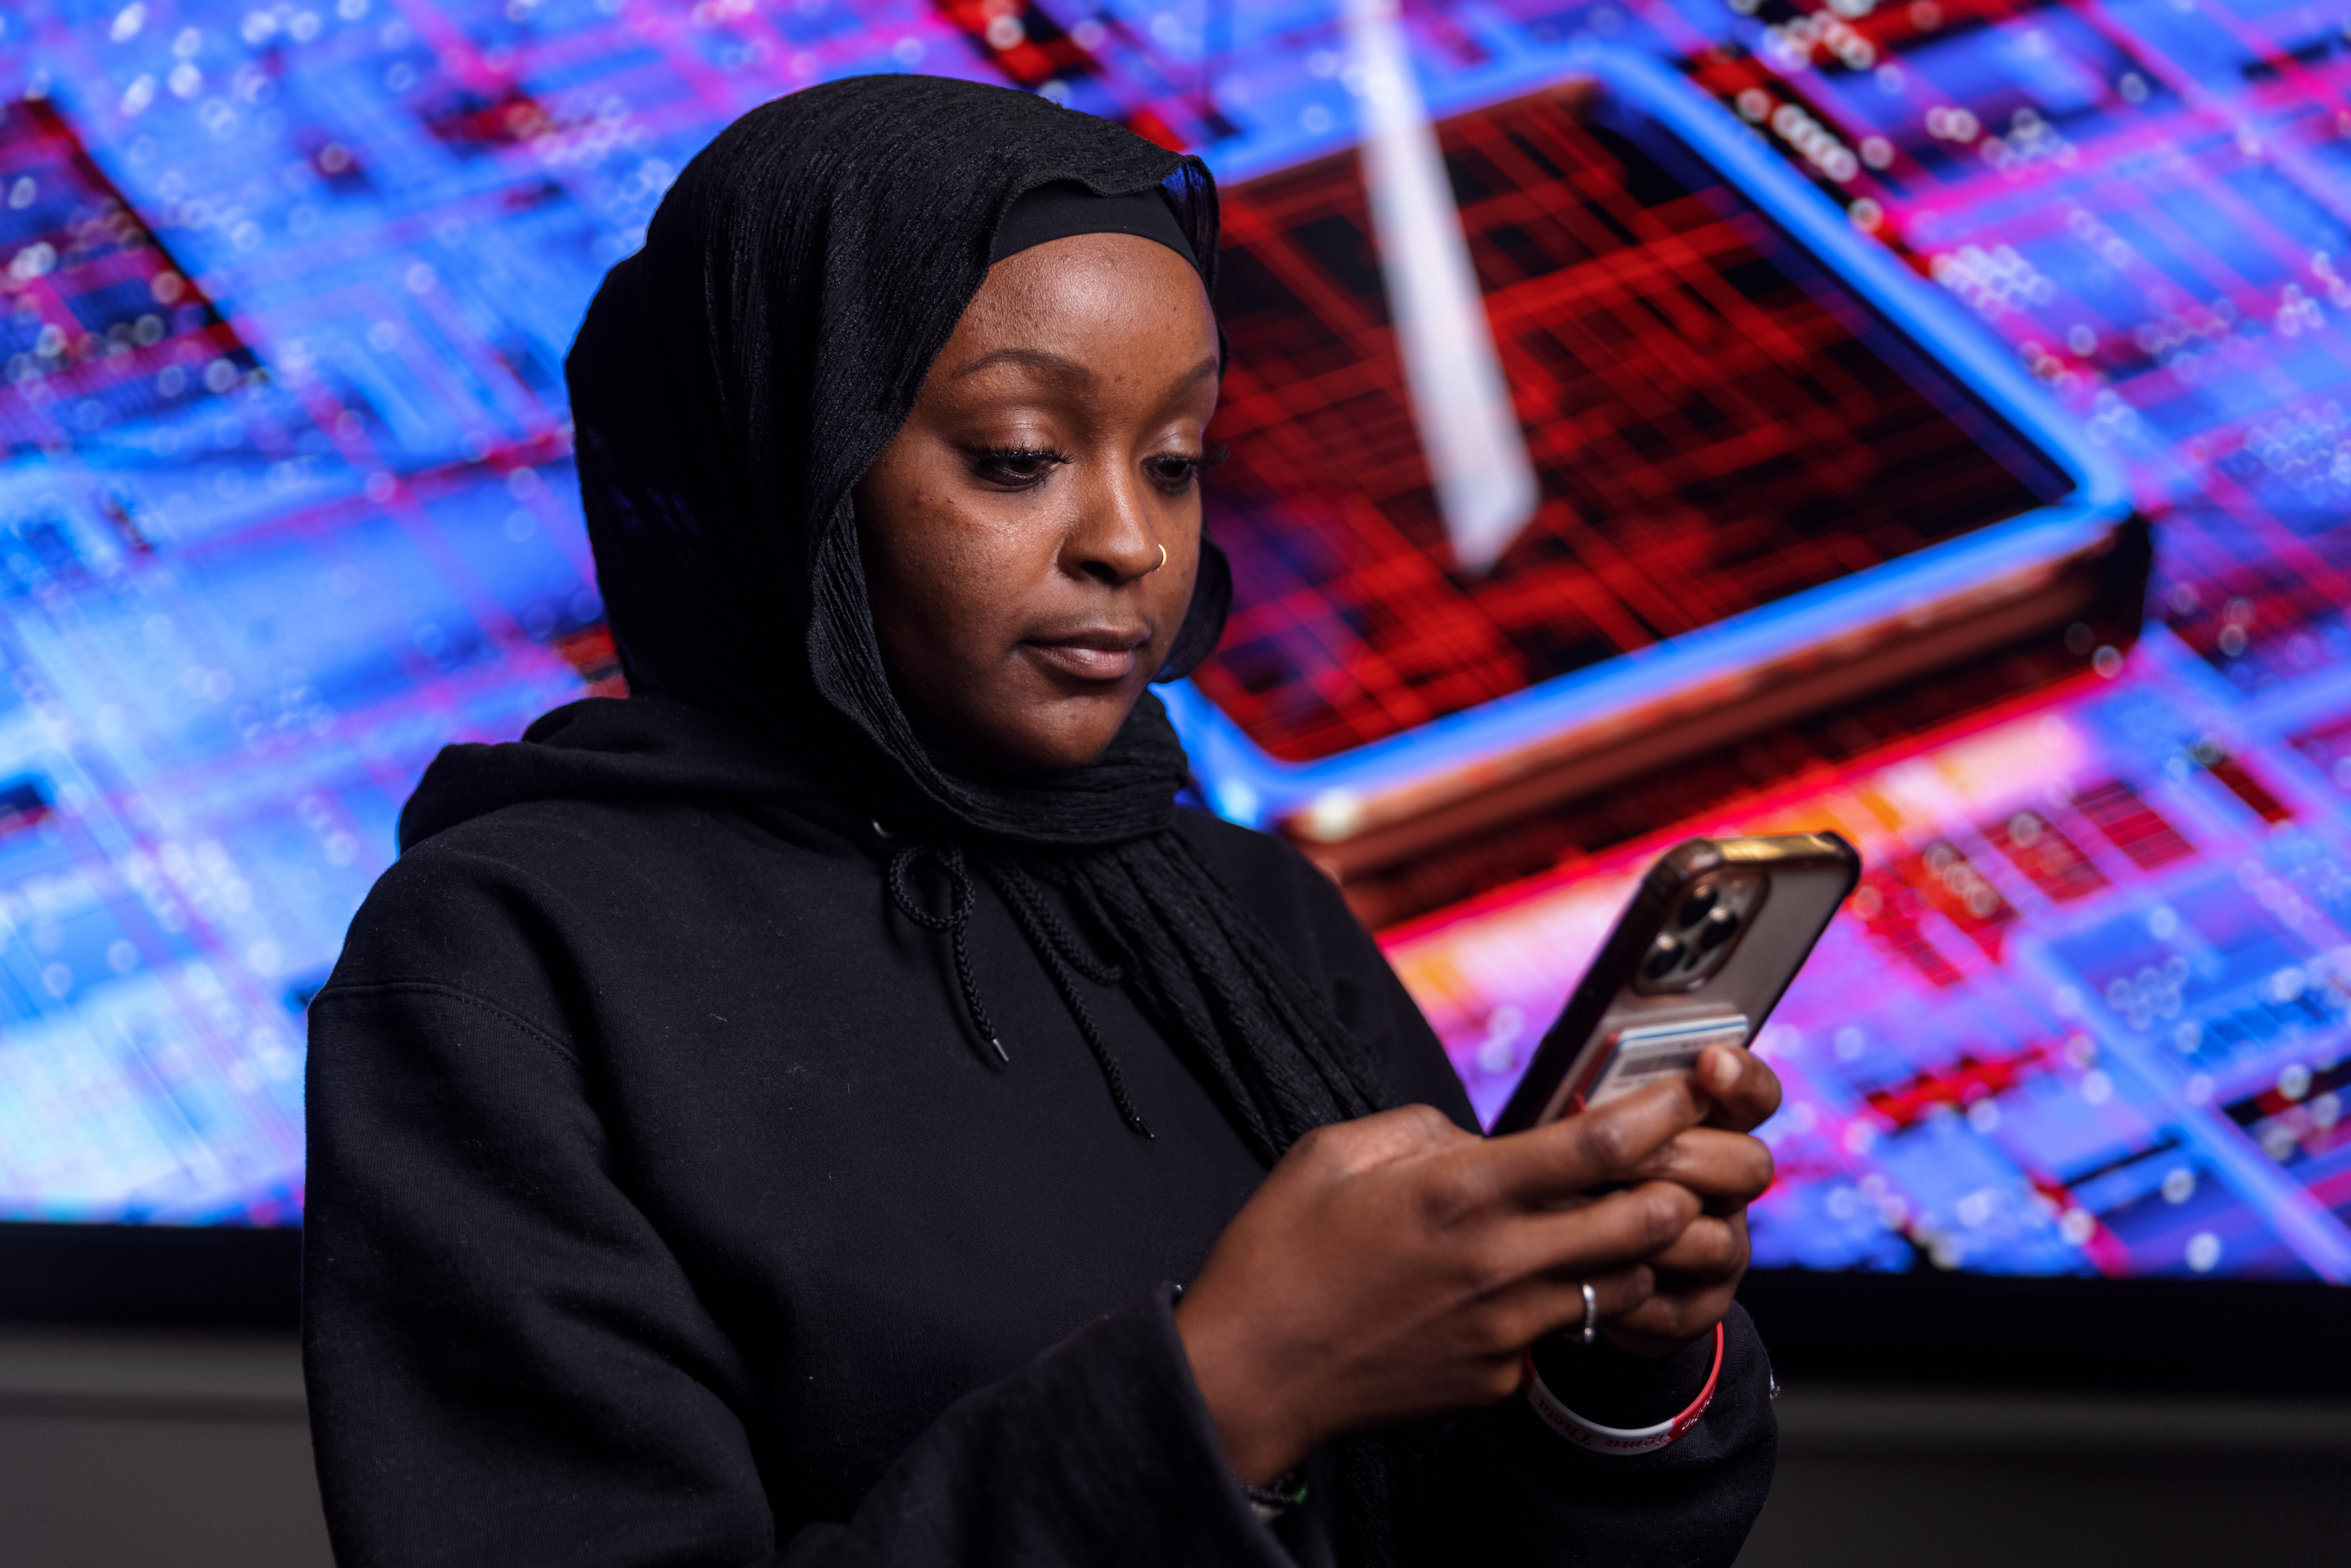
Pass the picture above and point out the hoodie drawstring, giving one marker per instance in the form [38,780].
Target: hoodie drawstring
[961,898]
[1064,954]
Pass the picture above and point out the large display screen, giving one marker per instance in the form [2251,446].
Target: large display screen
[287,505]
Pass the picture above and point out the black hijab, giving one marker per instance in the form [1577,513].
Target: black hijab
[737,377]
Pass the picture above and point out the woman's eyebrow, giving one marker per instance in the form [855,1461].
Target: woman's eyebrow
[1061,365]
[1035,358]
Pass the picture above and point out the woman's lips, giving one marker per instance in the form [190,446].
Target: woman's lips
[1108,656]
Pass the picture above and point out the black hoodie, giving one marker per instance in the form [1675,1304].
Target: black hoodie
[664,1209]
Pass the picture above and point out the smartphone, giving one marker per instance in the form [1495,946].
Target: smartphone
[1700,958]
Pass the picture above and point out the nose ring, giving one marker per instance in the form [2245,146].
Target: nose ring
[1163,560]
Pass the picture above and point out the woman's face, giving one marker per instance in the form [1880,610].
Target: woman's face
[1014,533]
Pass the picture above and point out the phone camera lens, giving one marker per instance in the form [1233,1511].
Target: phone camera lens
[1696,907]
[1663,957]
[1719,926]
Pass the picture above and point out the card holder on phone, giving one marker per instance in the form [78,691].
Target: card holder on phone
[1631,1058]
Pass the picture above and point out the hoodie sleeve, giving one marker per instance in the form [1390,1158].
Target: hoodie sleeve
[508,1366]
[1504,1488]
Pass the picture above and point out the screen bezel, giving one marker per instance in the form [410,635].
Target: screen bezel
[2141,1335]
[175,1275]
[2054,1332]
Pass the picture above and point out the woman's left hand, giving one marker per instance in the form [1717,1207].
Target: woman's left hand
[1699,1272]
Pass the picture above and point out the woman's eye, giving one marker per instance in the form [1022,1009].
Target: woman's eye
[1018,467]
[1174,474]
[1175,471]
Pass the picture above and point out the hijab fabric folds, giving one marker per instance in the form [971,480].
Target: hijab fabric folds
[734,379]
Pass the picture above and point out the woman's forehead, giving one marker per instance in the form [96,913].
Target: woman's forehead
[1089,282]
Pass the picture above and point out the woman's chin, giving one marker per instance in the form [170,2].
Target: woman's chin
[1067,733]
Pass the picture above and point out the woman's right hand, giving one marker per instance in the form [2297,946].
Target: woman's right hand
[1395,1267]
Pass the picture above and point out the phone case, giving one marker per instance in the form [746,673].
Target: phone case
[1702,954]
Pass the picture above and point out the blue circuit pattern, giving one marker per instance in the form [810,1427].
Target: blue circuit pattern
[285,290]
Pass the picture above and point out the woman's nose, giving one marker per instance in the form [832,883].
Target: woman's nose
[1114,540]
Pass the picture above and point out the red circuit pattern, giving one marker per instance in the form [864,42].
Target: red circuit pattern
[1956,1086]
[2040,850]
[1712,436]
[1950,883]
[2132,825]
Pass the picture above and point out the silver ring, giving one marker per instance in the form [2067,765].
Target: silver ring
[1591,1313]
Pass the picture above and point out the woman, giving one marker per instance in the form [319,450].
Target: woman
[772,1118]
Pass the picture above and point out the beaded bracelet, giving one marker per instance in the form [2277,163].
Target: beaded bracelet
[1272,1502]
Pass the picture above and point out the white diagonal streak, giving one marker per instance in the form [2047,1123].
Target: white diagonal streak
[1468,430]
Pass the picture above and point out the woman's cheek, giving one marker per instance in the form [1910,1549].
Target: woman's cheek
[964,595]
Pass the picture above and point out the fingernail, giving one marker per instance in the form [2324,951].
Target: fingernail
[1721,1070]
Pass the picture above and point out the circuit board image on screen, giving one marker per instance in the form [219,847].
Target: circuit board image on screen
[1720,427]
[285,290]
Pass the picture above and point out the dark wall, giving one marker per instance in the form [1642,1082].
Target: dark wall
[134,1450]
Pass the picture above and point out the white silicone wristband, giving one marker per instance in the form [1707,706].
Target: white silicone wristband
[1620,1441]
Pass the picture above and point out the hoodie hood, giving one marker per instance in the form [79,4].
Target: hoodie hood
[609,749]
